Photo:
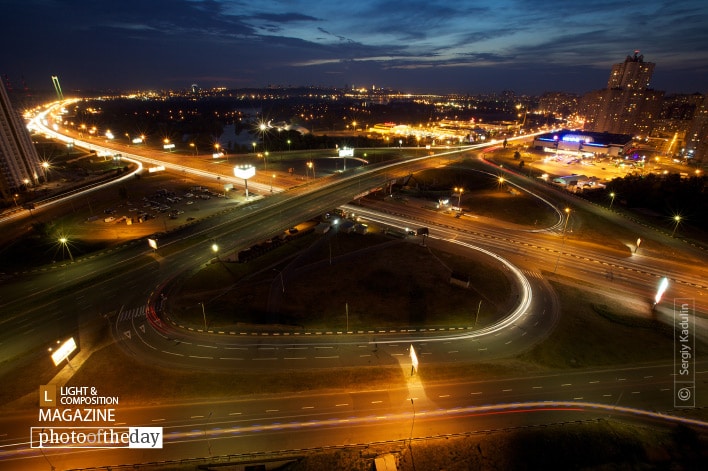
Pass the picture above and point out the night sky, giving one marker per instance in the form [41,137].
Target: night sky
[437,46]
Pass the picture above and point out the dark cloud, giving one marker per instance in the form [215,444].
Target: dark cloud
[518,44]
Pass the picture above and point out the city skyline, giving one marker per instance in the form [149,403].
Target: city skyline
[435,47]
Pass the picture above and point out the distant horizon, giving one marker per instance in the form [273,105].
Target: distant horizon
[68,91]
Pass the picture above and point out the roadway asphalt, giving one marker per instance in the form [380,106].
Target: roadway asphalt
[118,285]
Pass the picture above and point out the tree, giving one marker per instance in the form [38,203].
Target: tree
[517,155]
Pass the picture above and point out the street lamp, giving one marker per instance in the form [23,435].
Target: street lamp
[459,192]
[265,161]
[565,226]
[14,197]
[612,200]
[204,316]
[263,128]
[254,147]
[65,245]
[45,168]
[288,145]
[311,166]
[272,178]
[193,146]
[677,218]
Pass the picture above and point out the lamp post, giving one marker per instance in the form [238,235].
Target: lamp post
[459,192]
[565,226]
[254,147]
[612,199]
[311,166]
[272,178]
[45,169]
[194,147]
[677,218]
[288,145]
[265,161]
[65,245]
[14,198]
[263,128]
[204,316]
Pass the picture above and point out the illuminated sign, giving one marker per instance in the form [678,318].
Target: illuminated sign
[168,146]
[63,352]
[576,138]
[346,152]
[414,360]
[245,171]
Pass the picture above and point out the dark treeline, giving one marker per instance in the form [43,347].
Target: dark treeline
[669,195]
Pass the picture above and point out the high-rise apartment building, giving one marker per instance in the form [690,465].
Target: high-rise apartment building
[697,136]
[632,74]
[19,161]
[627,105]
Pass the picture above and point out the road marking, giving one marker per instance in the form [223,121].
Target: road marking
[621,379]
[272,410]
[566,384]
[235,348]
[262,359]
[442,396]
[322,347]
[366,355]
[201,358]
[506,390]
[341,405]
[376,402]
[475,393]
[607,395]
[206,346]
[294,358]
[636,392]
[197,417]
[507,343]
[157,420]
[453,351]
[333,356]
[481,349]
[308,407]
[230,358]
[577,398]
[537,387]
[665,389]
[647,377]
[234,413]
[296,348]
[172,353]
[593,382]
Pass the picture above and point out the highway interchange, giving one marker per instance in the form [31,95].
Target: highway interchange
[120,287]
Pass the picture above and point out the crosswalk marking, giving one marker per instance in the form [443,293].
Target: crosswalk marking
[134,313]
[533,274]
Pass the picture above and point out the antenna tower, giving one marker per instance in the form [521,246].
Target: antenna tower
[57,87]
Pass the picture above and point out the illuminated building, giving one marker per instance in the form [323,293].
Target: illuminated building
[19,161]
[627,105]
[697,136]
